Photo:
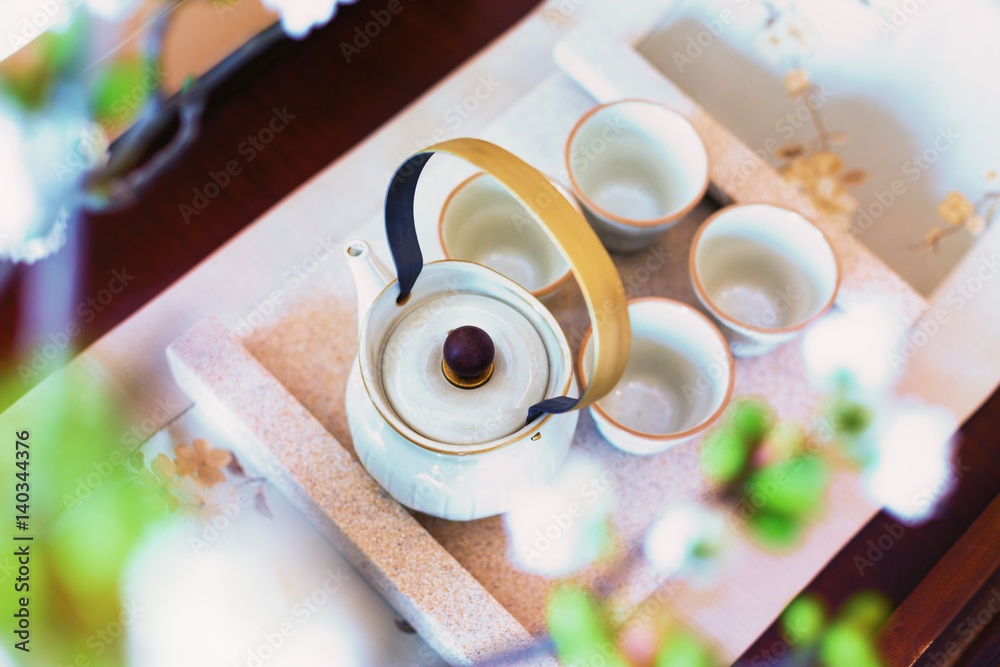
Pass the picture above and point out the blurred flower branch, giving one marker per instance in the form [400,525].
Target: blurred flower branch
[812,166]
[194,481]
[824,639]
[771,479]
[65,96]
[960,214]
[816,169]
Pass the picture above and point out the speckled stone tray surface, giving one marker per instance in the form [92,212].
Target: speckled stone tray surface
[447,577]
[404,563]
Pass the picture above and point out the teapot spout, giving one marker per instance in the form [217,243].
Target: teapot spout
[370,275]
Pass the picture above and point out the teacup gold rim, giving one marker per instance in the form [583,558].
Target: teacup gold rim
[680,435]
[545,290]
[629,222]
[732,321]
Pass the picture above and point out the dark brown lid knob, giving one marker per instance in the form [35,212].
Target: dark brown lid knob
[468,357]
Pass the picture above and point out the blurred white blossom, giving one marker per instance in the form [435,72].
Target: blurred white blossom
[856,343]
[687,541]
[563,526]
[912,467]
[21,205]
[113,10]
[238,602]
[21,21]
[787,35]
[46,153]
[299,17]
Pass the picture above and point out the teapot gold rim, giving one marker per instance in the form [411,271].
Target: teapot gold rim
[476,448]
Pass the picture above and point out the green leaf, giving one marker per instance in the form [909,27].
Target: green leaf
[795,488]
[122,90]
[578,631]
[775,530]
[844,645]
[28,76]
[63,50]
[784,441]
[85,521]
[682,650]
[803,620]
[90,546]
[850,418]
[26,91]
[751,420]
[724,456]
[865,611]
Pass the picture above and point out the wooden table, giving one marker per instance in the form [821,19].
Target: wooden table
[934,588]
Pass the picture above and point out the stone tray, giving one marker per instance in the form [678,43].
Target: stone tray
[279,381]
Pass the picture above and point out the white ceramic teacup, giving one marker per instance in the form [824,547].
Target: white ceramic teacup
[482,222]
[638,168]
[678,380]
[764,272]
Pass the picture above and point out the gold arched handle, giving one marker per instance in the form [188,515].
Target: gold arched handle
[595,273]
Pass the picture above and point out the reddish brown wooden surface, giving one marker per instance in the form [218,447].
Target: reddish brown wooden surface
[336,104]
[945,618]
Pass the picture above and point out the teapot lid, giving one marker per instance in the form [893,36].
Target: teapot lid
[441,380]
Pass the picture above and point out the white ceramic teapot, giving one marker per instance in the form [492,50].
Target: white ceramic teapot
[459,398]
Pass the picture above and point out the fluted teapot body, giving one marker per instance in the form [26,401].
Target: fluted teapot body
[462,395]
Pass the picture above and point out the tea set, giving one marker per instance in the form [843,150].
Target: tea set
[465,392]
